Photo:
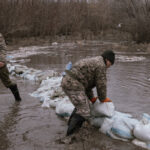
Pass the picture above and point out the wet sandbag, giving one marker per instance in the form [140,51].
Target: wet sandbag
[97,122]
[106,126]
[56,101]
[99,109]
[142,130]
[64,108]
[123,127]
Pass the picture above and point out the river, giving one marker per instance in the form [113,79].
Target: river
[28,126]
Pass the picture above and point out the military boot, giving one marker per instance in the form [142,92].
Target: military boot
[75,123]
[15,92]
[73,112]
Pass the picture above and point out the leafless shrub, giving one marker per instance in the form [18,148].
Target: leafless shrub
[134,15]
[26,18]
[21,18]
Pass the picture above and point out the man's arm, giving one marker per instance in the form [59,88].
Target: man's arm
[101,82]
[90,94]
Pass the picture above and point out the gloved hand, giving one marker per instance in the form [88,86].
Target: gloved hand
[106,100]
[93,100]
[2,64]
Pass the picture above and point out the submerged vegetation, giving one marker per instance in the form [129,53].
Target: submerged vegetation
[34,18]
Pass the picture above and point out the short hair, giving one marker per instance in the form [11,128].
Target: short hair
[110,55]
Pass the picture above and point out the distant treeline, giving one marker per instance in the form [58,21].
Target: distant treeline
[27,18]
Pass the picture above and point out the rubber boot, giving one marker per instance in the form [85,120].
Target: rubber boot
[75,123]
[15,92]
[74,111]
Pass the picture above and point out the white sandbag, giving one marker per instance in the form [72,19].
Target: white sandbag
[64,108]
[99,109]
[142,129]
[97,122]
[123,127]
[106,126]
[142,132]
[113,136]
[54,102]
[122,115]
[46,103]
[145,118]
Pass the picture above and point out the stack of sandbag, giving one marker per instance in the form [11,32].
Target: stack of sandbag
[52,95]
[121,126]
[49,92]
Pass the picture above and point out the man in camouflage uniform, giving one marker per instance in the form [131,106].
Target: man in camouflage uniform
[79,82]
[4,74]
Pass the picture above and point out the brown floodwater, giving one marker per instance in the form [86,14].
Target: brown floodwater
[28,126]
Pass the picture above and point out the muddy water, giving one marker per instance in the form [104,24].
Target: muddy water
[128,79]
[27,126]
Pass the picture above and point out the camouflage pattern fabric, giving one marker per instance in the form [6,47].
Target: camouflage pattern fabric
[2,49]
[4,73]
[4,76]
[77,95]
[81,79]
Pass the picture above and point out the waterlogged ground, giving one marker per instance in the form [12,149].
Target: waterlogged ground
[28,126]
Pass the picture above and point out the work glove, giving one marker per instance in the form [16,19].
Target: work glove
[93,100]
[106,100]
[2,64]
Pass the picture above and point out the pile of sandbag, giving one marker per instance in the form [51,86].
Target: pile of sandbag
[121,126]
[49,92]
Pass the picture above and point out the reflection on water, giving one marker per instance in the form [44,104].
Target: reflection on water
[7,125]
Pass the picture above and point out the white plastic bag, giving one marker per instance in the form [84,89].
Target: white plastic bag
[142,132]
[64,108]
[99,109]
[123,127]
[97,122]
[142,129]
[106,126]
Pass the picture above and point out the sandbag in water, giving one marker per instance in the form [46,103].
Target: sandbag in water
[142,130]
[99,109]
[64,108]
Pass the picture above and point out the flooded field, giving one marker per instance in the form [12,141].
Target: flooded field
[28,126]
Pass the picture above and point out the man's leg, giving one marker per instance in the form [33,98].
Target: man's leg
[81,111]
[4,76]
[15,91]
[76,92]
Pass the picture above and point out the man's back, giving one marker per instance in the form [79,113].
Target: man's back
[86,70]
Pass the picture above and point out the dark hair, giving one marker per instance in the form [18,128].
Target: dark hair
[110,55]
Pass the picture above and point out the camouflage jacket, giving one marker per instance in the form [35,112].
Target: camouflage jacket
[2,49]
[91,72]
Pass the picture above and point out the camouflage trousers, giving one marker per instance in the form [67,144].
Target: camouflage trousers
[76,92]
[4,76]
